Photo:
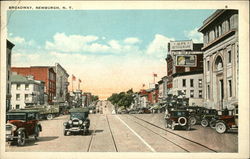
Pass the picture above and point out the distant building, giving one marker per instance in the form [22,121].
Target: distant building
[26,91]
[221,59]
[61,83]
[41,73]
[8,74]
[185,70]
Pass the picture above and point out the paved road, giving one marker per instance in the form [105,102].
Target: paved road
[128,133]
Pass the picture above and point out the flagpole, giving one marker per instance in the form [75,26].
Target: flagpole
[78,85]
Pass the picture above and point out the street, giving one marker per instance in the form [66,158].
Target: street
[128,133]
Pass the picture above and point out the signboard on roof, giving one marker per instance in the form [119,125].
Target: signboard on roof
[186,60]
[181,45]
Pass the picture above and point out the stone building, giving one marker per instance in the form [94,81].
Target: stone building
[8,74]
[26,91]
[221,59]
[185,70]
[61,83]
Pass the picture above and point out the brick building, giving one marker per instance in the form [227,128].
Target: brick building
[41,73]
[185,70]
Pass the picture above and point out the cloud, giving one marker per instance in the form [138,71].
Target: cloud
[131,40]
[158,46]
[194,35]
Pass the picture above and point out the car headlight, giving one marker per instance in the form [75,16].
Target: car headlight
[80,121]
[85,122]
[70,121]
[13,128]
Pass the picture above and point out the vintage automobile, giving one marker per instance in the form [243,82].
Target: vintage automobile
[177,118]
[209,117]
[22,124]
[144,111]
[196,114]
[78,122]
[226,121]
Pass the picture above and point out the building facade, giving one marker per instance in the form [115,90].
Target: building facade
[41,73]
[185,70]
[221,59]
[8,74]
[61,83]
[26,91]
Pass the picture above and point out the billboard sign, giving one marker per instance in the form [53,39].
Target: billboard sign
[186,60]
[181,45]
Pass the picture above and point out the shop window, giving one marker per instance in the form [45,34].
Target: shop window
[17,106]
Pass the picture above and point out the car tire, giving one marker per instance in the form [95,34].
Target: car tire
[212,124]
[49,117]
[192,120]
[204,122]
[221,127]
[37,131]
[21,139]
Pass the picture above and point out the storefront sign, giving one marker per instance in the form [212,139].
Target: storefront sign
[186,60]
[181,45]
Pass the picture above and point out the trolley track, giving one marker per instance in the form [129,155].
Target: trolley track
[175,134]
[113,139]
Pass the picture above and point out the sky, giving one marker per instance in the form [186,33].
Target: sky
[109,50]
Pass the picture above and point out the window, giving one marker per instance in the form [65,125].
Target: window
[17,96]
[230,88]
[200,93]
[191,82]
[184,82]
[17,106]
[26,97]
[208,91]
[26,86]
[229,55]
[191,93]
[208,65]
[18,86]
[200,83]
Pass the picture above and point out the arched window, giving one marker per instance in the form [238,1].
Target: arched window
[218,64]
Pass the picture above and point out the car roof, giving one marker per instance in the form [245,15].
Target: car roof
[23,111]
[78,110]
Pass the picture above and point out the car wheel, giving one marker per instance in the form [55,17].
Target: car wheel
[192,120]
[204,122]
[49,116]
[37,131]
[221,127]
[212,124]
[21,139]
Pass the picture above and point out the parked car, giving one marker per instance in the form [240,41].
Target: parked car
[177,118]
[228,120]
[22,124]
[196,114]
[78,122]
[208,118]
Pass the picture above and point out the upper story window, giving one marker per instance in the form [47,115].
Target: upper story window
[229,56]
[26,86]
[191,82]
[218,64]
[17,96]
[18,86]
[200,83]
[208,65]
[183,82]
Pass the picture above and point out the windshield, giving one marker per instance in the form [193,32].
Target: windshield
[16,116]
[79,115]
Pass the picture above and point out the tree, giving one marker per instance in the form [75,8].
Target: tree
[122,99]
